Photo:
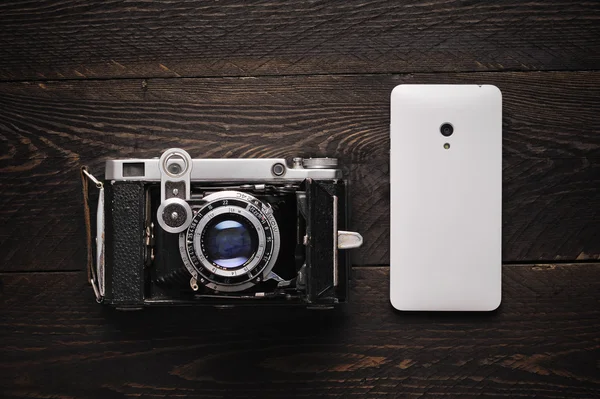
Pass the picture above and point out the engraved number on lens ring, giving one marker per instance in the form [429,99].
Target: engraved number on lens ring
[208,270]
[201,271]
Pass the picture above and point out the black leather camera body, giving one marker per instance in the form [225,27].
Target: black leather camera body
[180,231]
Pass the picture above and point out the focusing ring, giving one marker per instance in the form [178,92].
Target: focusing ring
[209,273]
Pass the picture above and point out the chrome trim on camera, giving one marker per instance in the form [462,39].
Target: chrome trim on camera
[320,163]
[100,246]
[335,241]
[348,239]
[222,170]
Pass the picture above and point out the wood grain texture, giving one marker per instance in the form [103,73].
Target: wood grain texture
[544,341]
[83,81]
[183,38]
[47,130]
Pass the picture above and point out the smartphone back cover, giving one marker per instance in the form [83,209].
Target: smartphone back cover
[446,198]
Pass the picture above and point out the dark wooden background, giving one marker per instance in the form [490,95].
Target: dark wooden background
[83,81]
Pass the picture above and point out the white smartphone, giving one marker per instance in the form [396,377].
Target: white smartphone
[446,197]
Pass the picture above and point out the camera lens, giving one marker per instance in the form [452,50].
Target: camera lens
[446,129]
[230,241]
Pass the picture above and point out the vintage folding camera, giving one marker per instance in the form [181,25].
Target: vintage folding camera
[180,231]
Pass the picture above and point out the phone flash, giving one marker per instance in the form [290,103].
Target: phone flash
[447,145]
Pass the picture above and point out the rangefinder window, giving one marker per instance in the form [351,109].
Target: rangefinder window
[133,169]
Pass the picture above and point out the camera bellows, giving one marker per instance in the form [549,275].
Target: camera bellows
[174,278]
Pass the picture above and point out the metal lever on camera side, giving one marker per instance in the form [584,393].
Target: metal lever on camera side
[348,239]
[174,214]
[341,240]
[95,269]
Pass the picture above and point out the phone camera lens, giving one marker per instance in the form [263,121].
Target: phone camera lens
[446,129]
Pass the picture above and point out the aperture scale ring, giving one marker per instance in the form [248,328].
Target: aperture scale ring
[211,275]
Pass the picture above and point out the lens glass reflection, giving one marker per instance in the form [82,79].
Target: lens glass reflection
[228,243]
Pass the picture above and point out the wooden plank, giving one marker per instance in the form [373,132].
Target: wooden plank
[551,162]
[98,39]
[55,341]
